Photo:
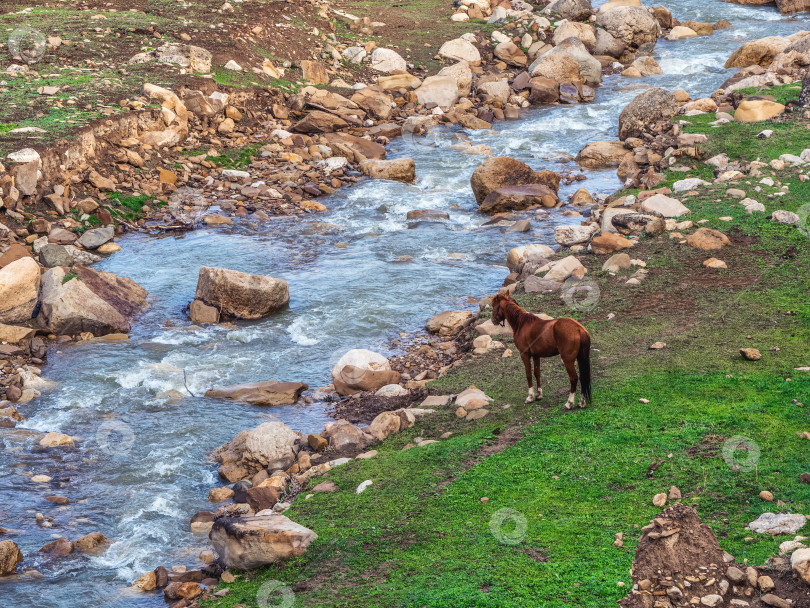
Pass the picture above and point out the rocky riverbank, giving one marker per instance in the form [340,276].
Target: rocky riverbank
[650,144]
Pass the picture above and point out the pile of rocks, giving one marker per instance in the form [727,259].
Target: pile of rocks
[680,563]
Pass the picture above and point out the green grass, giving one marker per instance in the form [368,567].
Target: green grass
[420,535]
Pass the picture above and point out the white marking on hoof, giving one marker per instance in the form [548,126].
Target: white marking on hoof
[582,402]
[531,397]
[569,404]
[539,394]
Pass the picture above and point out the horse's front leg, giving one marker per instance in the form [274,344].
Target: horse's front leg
[527,363]
[537,378]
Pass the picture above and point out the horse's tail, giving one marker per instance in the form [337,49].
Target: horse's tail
[584,361]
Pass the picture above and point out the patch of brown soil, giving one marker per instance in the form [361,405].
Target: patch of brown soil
[709,447]
[363,408]
[679,562]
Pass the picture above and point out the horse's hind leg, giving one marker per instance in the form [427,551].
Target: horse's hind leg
[572,376]
[537,378]
[527,364]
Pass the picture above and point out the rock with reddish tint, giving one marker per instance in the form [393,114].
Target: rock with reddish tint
[58,548]
[10,556]
[502,171]
[88,300]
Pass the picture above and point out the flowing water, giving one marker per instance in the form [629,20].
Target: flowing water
[141,471]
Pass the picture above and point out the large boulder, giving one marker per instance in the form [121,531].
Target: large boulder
[449,323]
[461,73]
[501,171]
[755,110]
[635,26]
[376,103]
[584,32]
[758,52]
[355,149]
[387,61]
[535,253]
[495,90]
[271,445]
[607,45]
[589,67]
[707,239]
[600,154]
[10,556]
[246,543]
[19,288]
[318,121]
[89,300]
[95,238]
[664,206]
[651,105]
[241,295]
[189,56]
[460,50]
[573,234]
[399,169]
[556,66]
[260,393]
[362,370]
[345,439]
[788,7]
[573,10]
[442,91]
[778,523]
[508,52]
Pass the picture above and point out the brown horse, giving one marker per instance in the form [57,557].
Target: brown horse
[536,338]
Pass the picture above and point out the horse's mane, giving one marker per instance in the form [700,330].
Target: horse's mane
[515,314]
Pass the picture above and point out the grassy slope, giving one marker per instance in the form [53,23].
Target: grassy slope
[420,536]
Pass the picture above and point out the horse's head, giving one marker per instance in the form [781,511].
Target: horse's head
[498,309]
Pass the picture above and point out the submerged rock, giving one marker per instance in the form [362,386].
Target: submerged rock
[260,393]
[241,295]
